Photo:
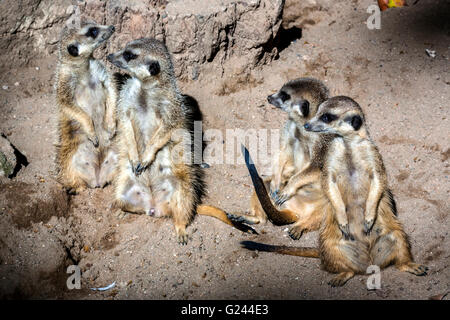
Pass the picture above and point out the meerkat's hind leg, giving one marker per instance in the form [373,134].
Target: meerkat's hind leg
[243,218]
[414,268]
[120,214]
[341,279]
[296,231]
[394,247]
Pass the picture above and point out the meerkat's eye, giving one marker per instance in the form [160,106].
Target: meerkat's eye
[355,121]
[92,32]
[304,107]
[128,56]
[284,96]
[154,68]
[328,117]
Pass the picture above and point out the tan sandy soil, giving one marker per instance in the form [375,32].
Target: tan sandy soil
[404,92]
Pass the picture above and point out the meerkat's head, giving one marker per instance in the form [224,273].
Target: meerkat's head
[146,59]
[338,115]
[78,43]
[300,97]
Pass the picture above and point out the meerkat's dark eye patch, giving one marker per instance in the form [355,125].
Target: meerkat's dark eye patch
[283,96]
[328,117]
[73,50]
[304,108]
[355,121]
[128,56]
[154,68]
[92,32]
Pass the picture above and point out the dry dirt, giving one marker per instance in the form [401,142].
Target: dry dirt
[404,92]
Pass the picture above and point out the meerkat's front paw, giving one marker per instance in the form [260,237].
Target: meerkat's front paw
[282,198]
[94,140]
[345,229]
[368,225]
[135,164]
[111,130]
[147,162]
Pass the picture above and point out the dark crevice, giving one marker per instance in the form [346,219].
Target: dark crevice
[21,159]
[70,256]
[282,40]
[286,36]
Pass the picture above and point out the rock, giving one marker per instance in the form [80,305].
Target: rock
[198,33]
[7,157]
[31,27]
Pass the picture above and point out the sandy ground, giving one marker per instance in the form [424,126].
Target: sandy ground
[404,93]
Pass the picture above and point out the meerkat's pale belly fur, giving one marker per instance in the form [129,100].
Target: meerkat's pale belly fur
[90,95]
[159,178]
[79,162]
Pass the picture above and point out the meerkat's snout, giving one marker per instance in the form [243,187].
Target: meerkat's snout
[315,126]
[279,99]
[115,59]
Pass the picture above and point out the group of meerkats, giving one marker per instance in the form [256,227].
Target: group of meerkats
[131,129]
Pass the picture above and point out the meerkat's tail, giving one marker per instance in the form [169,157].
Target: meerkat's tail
[206,210]
[292,251]
[278,218]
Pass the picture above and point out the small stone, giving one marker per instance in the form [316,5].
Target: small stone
[5,87]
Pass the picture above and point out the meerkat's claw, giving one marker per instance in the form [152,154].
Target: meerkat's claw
[94,141]
[183,239]
[281,199]
[236,218]
[139,169]
[121,214]
[368,224]
[414,268]
[341,279]
[345,229]
[274,194]
[295,232]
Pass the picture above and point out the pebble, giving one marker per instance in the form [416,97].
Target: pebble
[5,87]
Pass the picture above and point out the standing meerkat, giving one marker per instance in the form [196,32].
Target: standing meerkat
[299,158]
[155,140]
[86,100]
[360,225]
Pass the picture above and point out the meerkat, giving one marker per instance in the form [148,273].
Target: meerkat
[292,200]
[155,138]
[360,225]
[86,100]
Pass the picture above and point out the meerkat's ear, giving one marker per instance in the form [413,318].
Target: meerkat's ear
[73,50]
[153,67]
[356,122]
[302,107]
